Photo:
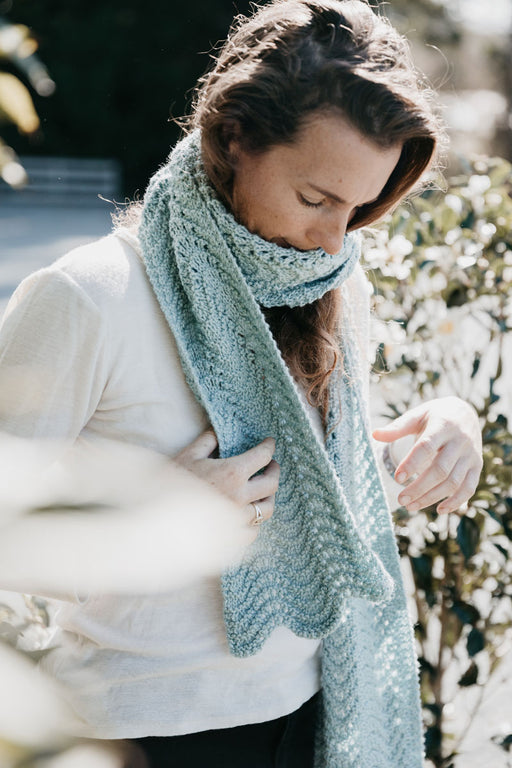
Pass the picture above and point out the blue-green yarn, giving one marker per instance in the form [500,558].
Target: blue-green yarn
[326,565]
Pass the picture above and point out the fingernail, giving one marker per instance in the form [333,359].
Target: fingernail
[404,500]
[413,507]
[402,477]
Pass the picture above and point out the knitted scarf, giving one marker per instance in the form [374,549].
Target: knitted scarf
[326,565]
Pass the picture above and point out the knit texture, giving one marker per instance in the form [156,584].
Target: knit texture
[326,565]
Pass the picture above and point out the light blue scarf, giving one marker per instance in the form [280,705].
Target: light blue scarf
[326,565]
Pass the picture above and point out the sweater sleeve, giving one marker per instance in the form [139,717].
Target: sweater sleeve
[52,358]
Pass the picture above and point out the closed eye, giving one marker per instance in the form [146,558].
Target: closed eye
[310,203]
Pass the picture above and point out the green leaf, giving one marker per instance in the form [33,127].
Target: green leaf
[465,612]
[476,365]
[483,495]
[457,298]
[380,364]
[505,743]
[500,173]
[422,569]
[434,708]
[470,676]
[501,549]
[475,642]
[468,536]
[433,739]
[469,221]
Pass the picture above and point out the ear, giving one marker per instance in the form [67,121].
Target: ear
[231,133]
[233,152]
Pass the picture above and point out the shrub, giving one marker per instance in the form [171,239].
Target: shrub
[441,269]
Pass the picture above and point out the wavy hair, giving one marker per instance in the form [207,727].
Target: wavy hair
[289,60]
[277,68]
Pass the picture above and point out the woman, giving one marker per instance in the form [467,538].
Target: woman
[234,302]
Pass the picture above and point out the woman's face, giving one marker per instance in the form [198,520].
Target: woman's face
[305,194]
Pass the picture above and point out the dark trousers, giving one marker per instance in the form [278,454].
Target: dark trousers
[283,743]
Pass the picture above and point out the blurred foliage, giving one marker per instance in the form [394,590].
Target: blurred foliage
[17,51]
[441,267]
[122,71]
[429,20]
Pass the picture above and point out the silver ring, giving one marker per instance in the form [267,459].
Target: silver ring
[258,514]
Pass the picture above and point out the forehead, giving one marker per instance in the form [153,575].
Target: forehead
[331,153]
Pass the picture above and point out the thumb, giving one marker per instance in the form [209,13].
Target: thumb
[410,423]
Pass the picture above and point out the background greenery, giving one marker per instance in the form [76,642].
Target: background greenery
[441,267]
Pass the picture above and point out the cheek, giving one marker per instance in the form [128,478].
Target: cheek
[270,209]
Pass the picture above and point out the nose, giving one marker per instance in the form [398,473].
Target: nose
[328,233]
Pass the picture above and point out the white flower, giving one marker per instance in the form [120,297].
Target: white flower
[433,253]
[452,235]
[399,271]
[454,202]
[478,184]
[386,309]
[398,247]
[375,257]
[466,261]
[494,199]
[472,249]
[446,327]
[438,282]
[388,332]
[486,230]
[422,285]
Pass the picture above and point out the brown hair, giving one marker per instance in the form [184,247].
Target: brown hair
[293,58]
[290,59]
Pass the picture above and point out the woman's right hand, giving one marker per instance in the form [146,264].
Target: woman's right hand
[236,477]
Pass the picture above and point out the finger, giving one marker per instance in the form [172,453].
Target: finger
[410,423]
[463,495]
[447,488]
[437,473]
[422,455]
[251,461]
[266,484]
[201,447]
[265,505]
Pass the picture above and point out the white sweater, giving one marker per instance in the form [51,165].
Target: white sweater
[85,352]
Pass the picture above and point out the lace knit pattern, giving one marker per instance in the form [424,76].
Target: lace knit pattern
[326,565]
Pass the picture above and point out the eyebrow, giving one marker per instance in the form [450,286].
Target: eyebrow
[326,193]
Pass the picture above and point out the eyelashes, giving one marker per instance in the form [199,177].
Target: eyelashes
[308,203]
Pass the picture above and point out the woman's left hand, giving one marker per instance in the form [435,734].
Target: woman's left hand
[446,457]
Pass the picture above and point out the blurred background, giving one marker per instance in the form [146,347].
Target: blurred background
[121,70]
